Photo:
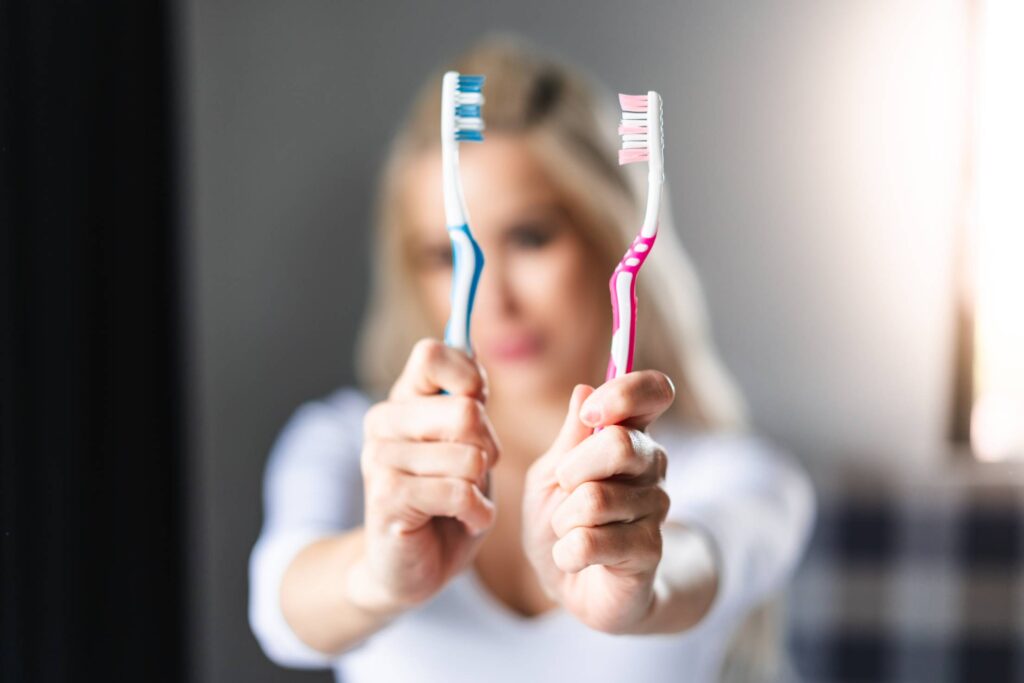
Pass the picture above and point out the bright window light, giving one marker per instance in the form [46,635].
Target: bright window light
[997,416]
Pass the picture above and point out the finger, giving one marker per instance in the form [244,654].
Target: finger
[595,503]
[433,366]
[633,547]
[458,419]
[573,431]
[414,500]
[614,451]
[432,459]
[635,399]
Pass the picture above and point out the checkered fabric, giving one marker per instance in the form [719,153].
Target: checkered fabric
[912,578]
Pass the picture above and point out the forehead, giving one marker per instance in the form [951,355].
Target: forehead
[500,177]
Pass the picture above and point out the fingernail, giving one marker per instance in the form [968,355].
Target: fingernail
[590,414]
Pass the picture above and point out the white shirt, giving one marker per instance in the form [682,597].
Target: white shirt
[755,501]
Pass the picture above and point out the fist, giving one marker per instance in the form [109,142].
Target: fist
[594,503]
[425,464]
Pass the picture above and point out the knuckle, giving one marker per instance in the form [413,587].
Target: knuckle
[369,456]
[621,441]
[661,462]
[475,462]
[427,352]
[476,384]
[560,523]
[469,413]
[584,544]
[595,498]
[557,526]
[495,455]
[461,495]
[384,489]
[481,374]
[663,502]
[654,546]
[372,417]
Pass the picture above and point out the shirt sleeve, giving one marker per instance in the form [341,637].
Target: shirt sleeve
[312,488]
[755,503]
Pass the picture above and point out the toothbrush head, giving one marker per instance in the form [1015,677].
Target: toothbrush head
[641,131]
[462,98]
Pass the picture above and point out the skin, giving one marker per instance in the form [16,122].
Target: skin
[582,513]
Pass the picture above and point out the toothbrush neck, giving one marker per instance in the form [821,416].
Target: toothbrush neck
[454,202]
[655,181]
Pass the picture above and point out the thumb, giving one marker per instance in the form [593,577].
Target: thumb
[573,431]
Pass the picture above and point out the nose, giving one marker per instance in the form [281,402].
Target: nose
[494,296]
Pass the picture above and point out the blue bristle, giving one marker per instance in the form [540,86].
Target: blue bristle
[471,83]
[468,111]
[469,136]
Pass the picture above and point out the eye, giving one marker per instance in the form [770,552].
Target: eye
[434,256]
[531,235]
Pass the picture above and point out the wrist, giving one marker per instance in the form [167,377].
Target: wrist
[365,594]
[651,614]
[685,582]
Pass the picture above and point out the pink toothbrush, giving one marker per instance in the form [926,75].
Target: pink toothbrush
[642,140]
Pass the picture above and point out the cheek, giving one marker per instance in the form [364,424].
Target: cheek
[435,290]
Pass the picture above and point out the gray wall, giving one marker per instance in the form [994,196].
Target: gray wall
[812,157]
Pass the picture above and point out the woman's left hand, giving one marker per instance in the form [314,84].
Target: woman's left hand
[594,505]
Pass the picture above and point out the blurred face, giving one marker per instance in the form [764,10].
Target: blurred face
[541,319]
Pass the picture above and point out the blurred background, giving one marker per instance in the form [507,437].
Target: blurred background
[186,199]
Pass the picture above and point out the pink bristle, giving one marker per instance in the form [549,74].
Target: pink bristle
[628,130]
[633,102]
[629,156]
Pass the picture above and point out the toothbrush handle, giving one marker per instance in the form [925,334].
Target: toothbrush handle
[622,286]
[467,263]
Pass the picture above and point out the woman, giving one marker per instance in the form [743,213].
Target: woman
[490,533]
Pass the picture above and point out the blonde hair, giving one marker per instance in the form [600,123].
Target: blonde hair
[570,123]
[573,134]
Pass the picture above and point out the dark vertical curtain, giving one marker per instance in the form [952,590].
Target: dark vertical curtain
[91,472]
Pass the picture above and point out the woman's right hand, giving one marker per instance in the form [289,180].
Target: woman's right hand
[425,462]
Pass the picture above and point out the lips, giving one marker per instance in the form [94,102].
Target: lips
[514,347]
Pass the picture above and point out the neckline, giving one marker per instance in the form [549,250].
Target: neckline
[502,611]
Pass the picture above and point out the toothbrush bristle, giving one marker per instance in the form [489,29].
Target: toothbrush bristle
[636,103]
[630,156]
[469,122]
[474,83]
[633,129]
